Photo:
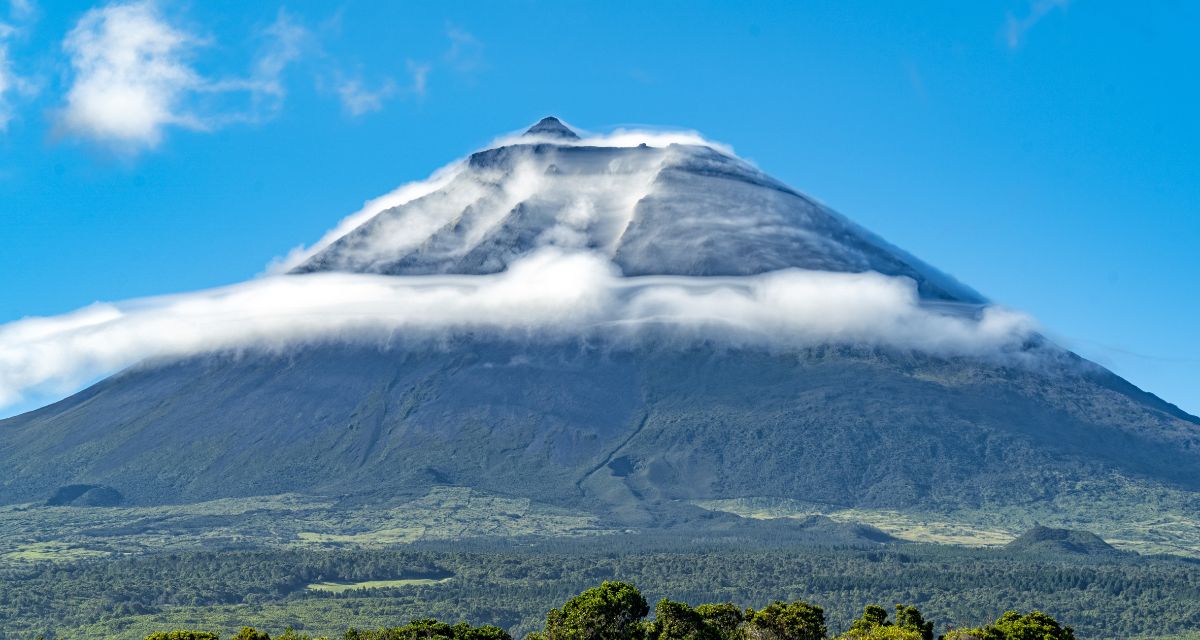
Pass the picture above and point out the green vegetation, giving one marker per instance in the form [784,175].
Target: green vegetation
[617,611]
[290,520]
[183,634]
[1155,519]
[513,588]
[1014,626]
[612,611]
[873,624]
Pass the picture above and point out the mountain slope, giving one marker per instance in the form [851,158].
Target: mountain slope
[633,433]
[627,435]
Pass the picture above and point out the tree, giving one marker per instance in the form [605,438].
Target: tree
[678,621]
[250,633]
[872,616]
[910,618]
[724,618]
[182,634]
[1015,626]
[611,611]
[882,632]
[786,621]
[291,634]
[431,629]
[873,624]
[464,631]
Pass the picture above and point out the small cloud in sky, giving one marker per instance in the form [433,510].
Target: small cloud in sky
[8,79]
[420,77]
[466,51]
[285,40]
[134,77]
[357,99]
[131,76]
[21,9]
[1018,27]
[11,83]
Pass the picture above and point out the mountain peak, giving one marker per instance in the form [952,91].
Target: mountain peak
[674,209]
[552,127]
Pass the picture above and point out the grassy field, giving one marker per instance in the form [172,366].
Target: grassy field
[1161,522]
[32,532]
[49,551]
[340,587]
[1154,520]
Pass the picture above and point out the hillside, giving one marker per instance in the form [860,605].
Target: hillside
[1050,540]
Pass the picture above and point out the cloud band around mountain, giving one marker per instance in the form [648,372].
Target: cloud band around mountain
[550,295]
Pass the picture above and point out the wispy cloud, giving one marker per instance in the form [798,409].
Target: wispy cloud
[284,43]
[134,77]
[1016,27]
[419,71]
[360,98]
[21,9]
[8,79]
[357,99]
[11,83]
[466,51]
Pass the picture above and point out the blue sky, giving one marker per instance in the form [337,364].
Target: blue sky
[1047,153]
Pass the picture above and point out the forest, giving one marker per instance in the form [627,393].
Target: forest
[618,611]
[325,592]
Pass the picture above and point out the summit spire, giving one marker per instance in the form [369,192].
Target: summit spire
[552,127]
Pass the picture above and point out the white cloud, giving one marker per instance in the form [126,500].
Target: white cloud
[12,84]
[547,296]
[21,9]
[285,43]
[358,100]
[8,79]
[358,97]
[420,77]
[134,77]
[466,51]
[1038,9]
[131,76]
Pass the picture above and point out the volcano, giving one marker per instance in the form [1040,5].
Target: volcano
[649,434]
